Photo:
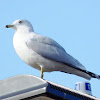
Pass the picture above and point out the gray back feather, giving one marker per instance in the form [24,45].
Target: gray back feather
[50,49]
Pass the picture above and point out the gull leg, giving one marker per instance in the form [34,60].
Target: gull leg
[42,72]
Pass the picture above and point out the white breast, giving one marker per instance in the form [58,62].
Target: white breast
[22,50]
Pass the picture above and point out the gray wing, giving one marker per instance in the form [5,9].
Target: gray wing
[50,49]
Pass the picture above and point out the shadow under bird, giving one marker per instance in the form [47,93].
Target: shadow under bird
[43,53]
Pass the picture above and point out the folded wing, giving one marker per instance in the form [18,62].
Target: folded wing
[50,49]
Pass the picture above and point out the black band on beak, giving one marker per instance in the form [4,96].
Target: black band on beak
[6,26]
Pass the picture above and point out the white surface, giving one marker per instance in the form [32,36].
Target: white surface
[21,84]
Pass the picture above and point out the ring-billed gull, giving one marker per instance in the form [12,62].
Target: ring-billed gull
[43,53]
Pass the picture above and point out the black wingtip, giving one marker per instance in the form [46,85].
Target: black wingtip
[93,75]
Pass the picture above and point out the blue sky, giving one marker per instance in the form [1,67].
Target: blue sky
[75,24]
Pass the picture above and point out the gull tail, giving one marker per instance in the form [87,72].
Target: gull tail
[84,73]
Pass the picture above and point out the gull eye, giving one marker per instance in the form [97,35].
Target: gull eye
[20,22]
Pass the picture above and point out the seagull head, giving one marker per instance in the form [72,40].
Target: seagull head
[21,25]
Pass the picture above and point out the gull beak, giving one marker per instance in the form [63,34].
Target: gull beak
[9,26]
